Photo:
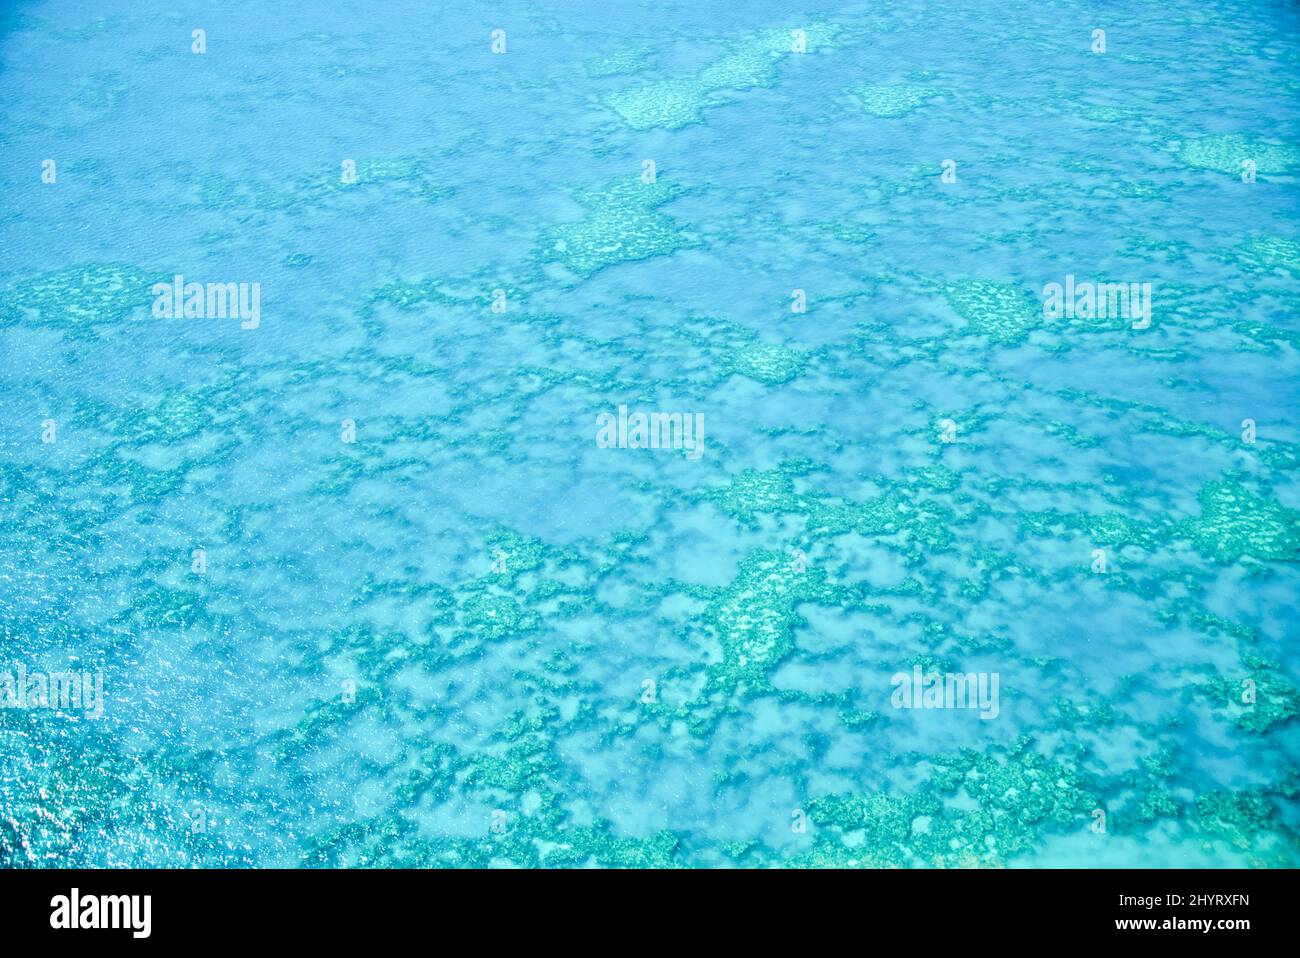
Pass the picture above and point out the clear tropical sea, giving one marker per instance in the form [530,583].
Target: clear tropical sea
[362,583]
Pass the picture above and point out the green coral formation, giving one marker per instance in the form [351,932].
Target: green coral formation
[252,200]
[891,100]
[517,784]
[751,493]
[622,225]
[1001,311]
[494,616]
[755,616]
[45,816]
[1225,153]
[80,297]
[177,417]
[669,104]
[1246,819]
[918,523]
[1264,698]
[618,63]
[673,103]
[974,810]
[1236,523]
[1111,529]
[1262,253]
[768,363]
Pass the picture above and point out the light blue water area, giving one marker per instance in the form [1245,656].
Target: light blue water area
[437,620]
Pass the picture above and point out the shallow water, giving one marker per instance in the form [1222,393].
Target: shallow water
[366,586]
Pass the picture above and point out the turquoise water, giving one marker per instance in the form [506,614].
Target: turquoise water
[362,585]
